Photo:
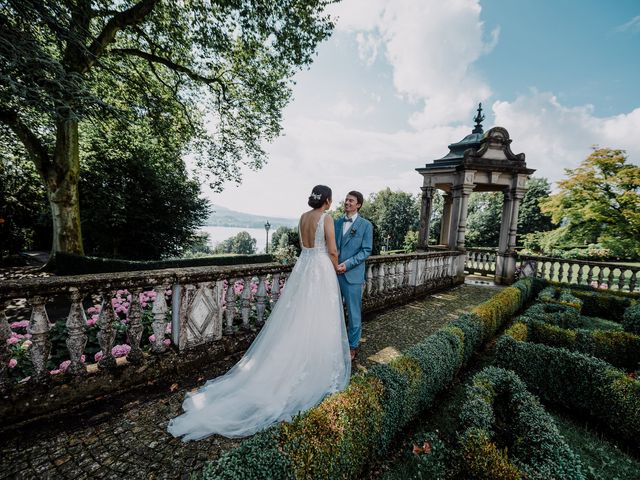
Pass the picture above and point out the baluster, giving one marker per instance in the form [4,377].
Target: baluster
[381,279]
[275,289]
[565,269]
[589,274]
[246,303]
[230,311]
[600,275]
[41,344]
[261,299]
[159,324]
[610,278]
[107,333]
[5,350]
[555,272]
[77,338]
[580,274]
[543,269]
[485,263]
[393,274]
[135,327]
[622,278]
[369,281]
[633,280]
[406,267]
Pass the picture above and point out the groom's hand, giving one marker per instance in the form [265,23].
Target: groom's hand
[341,268]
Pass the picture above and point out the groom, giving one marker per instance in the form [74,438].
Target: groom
[354,238]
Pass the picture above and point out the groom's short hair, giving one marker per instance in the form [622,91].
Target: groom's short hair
[359,197]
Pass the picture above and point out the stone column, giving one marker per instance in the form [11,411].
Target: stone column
[446,218]
[506,257]
[425,217]
[462,223]
[454,217]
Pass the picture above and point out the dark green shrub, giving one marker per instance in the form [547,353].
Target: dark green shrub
[631,319]
[576,381]
[425,456]
[603,303]
[560,296]
[70,264]
[498,397]
[257,458]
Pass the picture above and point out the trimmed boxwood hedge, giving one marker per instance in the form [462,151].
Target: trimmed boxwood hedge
[533,447]
[631,319]
[560,296]
[604,303]
[70,264]
[621,349]
[576,381]
[339,437]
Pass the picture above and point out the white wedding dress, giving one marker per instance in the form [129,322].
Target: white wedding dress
[300,356]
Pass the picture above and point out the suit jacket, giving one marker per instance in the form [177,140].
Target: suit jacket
[354,247]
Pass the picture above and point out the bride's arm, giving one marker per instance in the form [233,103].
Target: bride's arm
[330,239]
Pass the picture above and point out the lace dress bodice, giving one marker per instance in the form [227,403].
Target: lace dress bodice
[319,243]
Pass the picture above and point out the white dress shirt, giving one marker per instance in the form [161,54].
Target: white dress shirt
[347,225]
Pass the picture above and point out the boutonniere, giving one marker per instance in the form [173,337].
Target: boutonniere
[353,232]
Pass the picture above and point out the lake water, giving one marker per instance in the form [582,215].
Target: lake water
[219,234]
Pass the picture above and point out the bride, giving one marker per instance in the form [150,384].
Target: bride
[300,355]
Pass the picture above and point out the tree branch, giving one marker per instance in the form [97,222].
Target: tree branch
[30,140]
[176,67]
[121,20]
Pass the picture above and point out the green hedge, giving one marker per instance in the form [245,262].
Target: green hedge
[631,319]
[576,381]
[603,303]
[340,436]
[533,447]
[560,296]
[69,264]
[620,349]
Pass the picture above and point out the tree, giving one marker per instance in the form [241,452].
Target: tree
[394,214]
[284,237]
[242,243]
[223,67]
[530,217]
[136,200]
[599,202]
[483,219]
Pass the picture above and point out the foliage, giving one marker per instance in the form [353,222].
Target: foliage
[425,456]
[410,241]
[68,264]
[560,296]
[287,238]
[222,70]
[576,381]
[483,215]
[22,200]
[241,243]
[599,202]
[135,187]
[394,214]
[499,410]
[631,319]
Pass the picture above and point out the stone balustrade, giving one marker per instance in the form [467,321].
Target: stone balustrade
[581,272]
[182,308]
[481,261]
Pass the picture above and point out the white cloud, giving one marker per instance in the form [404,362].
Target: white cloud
[431,46]
[555,137]
[632,25]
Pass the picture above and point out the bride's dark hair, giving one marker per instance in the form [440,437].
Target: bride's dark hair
[319,195]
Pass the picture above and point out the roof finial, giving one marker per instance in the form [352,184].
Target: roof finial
[478,119]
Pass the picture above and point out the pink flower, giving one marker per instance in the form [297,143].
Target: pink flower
[91,322]
[12,340]
[143,304]
[120,350]
[12,363]
[55,372]
[64,365]
[98,356]
[167,328]
[167,342]
[92,310]
[21,324]
[152,338]
[120,292]
[82,359]
[26,344]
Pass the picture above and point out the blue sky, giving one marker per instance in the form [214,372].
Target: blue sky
[399,80]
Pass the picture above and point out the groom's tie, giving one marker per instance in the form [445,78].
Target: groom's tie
[347,219]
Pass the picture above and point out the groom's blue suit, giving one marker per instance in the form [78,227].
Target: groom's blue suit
[353,249]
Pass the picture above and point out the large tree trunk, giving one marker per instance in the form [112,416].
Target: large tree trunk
[62,187]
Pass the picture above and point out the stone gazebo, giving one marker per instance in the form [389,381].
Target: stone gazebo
[480,162]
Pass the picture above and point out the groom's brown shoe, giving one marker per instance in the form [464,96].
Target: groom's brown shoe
[354,353]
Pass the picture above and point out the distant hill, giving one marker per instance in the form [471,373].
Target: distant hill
[224,217]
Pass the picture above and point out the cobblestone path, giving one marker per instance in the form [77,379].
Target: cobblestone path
[130,441]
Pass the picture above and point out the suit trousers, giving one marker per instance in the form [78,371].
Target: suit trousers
[352,297]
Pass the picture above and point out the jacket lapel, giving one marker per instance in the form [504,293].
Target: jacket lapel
[354,225]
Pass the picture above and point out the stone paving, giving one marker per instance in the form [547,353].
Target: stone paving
[130,441]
